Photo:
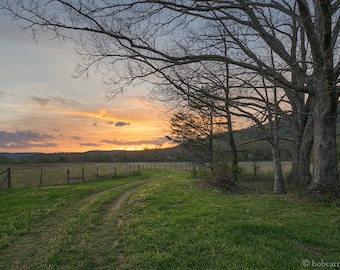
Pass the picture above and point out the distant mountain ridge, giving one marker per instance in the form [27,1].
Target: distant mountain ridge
[18,155]
[168,154]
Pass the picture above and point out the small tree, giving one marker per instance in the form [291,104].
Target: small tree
[194,133]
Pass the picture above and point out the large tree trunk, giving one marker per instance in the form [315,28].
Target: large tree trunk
[325,175]
[301,153]
[279,187]
[324,94]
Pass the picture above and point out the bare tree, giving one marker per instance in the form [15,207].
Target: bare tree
[148,36]
[231,93]
[300,120]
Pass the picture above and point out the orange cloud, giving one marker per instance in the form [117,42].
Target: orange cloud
[102,115]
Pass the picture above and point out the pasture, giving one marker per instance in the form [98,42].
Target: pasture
[163,219]
[63,173]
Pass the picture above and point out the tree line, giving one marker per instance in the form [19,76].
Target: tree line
[262,62]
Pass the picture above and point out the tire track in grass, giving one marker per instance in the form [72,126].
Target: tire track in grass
[104,240]
[106,252]
[43,246]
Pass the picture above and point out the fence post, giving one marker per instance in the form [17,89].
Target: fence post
[97,172]
[9,184]
[138,169]
[115,170]
[68,176]
[83,173]
[41,177]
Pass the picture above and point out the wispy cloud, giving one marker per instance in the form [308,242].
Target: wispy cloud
[40,101]
[64,101]
[115,142]
[44,145]
[90,144]
[24,139]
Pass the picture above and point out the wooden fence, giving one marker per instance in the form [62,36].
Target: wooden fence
[56,174]
[5,176]
[20,175]
[167,165]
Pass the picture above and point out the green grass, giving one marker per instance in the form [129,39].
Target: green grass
[164,220]
[177,225]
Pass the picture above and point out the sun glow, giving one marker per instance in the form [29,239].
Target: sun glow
[102,115]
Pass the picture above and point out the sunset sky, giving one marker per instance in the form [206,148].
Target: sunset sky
[45,109]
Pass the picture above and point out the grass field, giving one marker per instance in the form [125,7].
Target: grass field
[23,175]
[163,219]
